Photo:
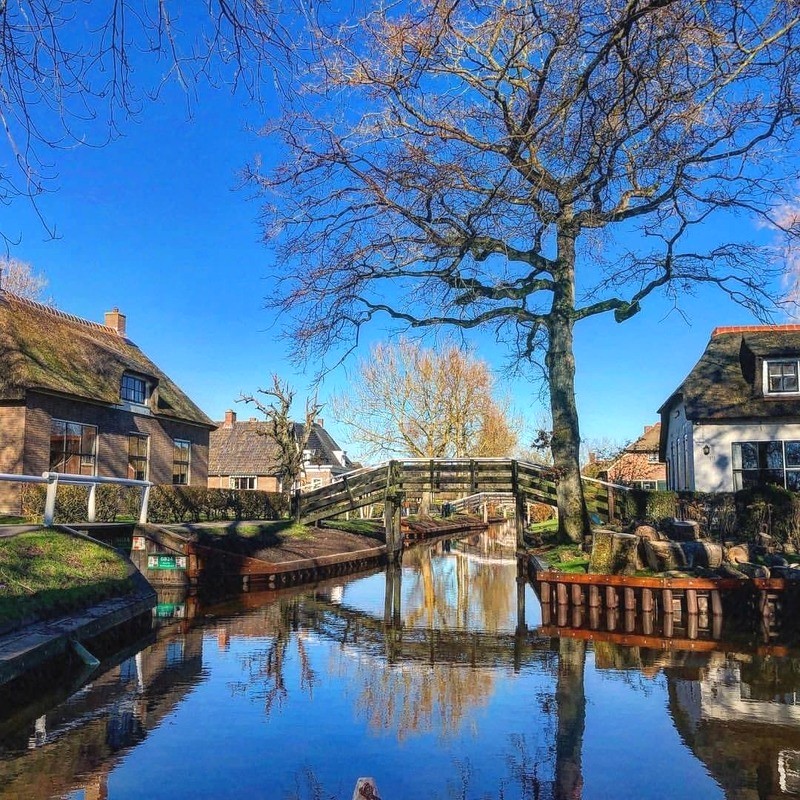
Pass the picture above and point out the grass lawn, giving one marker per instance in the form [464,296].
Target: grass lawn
[365,527]
[47,573]
[248,537]
[6,519]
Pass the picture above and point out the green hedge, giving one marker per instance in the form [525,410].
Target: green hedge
[743,515]
[167,503]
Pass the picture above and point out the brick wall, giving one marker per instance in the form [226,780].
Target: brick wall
[265,483]
[113,427]
[12,435]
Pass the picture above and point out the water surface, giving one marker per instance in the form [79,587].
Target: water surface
[437,680]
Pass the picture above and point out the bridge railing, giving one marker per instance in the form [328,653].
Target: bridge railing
[534,482]
[53,479]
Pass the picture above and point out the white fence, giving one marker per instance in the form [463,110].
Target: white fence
[53,479]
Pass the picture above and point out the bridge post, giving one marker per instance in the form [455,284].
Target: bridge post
[391,514]
[519,506]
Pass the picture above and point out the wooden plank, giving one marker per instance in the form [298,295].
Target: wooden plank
[652,583]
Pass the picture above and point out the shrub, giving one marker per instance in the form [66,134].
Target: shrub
[767,509]
[541,512]
[72,502]
[645,505]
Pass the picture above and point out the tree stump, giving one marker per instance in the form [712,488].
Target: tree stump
[613,553]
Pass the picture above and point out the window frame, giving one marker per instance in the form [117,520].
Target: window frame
[766,377]
[176,444]
[233,478]
[85,458]
[133,436]
[132,387]
[763,467]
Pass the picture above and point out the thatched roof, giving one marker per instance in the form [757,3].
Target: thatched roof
[726,381]
[247,448]
[648,441]
[44,349]
[242,448]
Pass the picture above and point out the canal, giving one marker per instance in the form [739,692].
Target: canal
[437,679]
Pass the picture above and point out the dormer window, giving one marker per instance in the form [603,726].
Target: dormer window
[780,377]
[133,390]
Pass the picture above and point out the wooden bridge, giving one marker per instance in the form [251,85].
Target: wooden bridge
[393,481]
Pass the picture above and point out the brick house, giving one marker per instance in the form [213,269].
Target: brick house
[243,456]
[640,465]
[80,397]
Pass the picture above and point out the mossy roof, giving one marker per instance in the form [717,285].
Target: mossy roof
[44,349]
[726,381]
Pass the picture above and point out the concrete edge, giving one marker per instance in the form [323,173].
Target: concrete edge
[36,644]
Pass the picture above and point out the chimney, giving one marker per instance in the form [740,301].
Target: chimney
[230,418]
[116,321]
[320,422]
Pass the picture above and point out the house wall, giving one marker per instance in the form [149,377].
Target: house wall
[264,483]
[114,425]
[714,471]
[12,437]
[680,450]
[633,467]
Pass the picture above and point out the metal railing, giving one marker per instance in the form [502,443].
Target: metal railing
[53,479]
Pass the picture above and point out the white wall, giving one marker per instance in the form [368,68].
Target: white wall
[714,472]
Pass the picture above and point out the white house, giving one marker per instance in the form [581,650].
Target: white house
[734,422]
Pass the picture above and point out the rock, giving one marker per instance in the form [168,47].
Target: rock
[664,556]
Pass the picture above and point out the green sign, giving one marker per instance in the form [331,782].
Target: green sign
[170,610]
[164,561]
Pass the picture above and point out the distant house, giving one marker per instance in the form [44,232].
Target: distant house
[639,465]
[244,456]
[734,422]
[80,397]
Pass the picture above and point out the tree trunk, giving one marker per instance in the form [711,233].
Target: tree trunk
[573,518]
[571,710]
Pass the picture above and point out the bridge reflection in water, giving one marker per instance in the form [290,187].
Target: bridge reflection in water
[435,677]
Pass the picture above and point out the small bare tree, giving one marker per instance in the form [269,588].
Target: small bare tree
[524,166]
[18,277]
[291,440]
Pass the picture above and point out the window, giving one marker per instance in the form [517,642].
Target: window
[133,389]
[181,458]
[137,457]
[243,482]
[652,458]
[760,463]
[781,377]
[73,447]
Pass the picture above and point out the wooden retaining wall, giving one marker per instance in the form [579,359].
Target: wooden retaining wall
[640,603]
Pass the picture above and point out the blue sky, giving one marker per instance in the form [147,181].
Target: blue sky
[155,224]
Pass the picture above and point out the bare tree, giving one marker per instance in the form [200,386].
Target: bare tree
[18,277]
[409,400]
[291,440]
[72,72]
[523,166]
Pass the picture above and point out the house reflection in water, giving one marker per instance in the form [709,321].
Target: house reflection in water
[740,715]
[79,742]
